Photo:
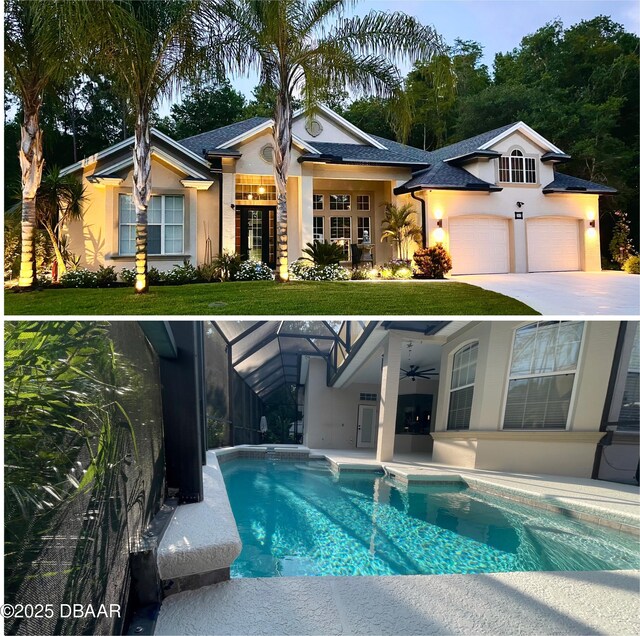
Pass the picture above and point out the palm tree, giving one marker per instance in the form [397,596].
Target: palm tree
[59,200]
[148,48]
[309,48]
[398,228]
[33,64]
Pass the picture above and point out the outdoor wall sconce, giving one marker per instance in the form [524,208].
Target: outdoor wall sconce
[592,223]
[439,222]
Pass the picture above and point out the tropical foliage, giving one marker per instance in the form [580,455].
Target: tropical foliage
[399,228]
[324,253]
[432,262]
[63,423]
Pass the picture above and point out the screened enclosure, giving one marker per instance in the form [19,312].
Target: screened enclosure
[84,467]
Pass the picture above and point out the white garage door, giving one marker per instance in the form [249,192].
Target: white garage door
[553,245]
[479,246]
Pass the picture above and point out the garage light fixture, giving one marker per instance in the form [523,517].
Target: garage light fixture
[439,222]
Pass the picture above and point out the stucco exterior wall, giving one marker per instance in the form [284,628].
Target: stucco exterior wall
[330,131]
[486,445]
[95,237]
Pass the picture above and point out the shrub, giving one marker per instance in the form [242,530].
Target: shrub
[106,276]
[324,253]
[180,275]
[360,274]
[433,262]
[128,276]
[79,278]
[297,269]
[632,265]
[254,270]
[208,273]
[621,246]
[319,272]
[396,269]
[227,265]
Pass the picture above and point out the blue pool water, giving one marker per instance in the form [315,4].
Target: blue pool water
[300,519]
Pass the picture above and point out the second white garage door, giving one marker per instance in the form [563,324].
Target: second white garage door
[479,245]
[553,245]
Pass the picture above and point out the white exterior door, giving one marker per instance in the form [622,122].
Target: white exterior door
[553,245]
[479,245]
[366,426]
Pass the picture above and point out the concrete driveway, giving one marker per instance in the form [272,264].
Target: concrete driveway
[567,293]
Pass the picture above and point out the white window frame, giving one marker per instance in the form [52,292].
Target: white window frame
[162,224]
[450,390]
[363,196]
[339,240]
[370,228]
[321,202]
[337,203]
[318,237]
[528,166]
[577,373]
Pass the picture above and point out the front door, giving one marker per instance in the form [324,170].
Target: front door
[257,233]
[366,426]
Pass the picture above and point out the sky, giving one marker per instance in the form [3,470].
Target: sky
[498,25]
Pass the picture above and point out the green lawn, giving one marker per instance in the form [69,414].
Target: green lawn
[268,298]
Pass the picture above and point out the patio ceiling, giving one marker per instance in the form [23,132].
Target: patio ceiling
[266,354]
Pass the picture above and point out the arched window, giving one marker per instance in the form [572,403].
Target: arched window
[516,168]
[543,369]
[463,377]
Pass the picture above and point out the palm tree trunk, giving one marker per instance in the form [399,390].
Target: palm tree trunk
[281,159]
[62,268]
[141,196]
[31,165]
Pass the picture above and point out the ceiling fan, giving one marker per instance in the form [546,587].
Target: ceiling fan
[414,372]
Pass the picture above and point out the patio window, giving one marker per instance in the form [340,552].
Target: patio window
[463,377]
[341,233]
[340,202]
[318,201]
[363,203]
[543,368]
[318,228]
[364,225]
[165,225]
[516,168]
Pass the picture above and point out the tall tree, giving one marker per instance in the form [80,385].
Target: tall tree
[204,108]
[33,65]
[309,47]
[148,48]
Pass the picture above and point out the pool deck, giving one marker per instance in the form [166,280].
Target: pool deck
[601,602]
[506,603]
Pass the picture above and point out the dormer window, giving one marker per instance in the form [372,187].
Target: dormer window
[516,168]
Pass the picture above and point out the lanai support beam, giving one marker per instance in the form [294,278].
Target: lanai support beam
[389,385]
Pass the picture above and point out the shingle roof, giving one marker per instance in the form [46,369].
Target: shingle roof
[467,145]
[395,152]
[214,138]
[444,176]
[566,183]
[437,175]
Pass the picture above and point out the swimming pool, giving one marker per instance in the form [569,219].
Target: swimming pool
[301,519]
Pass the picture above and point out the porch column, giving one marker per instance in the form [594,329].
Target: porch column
[228,229]
[389,384]
[305,206]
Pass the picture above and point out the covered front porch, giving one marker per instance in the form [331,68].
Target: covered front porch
[344,206]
